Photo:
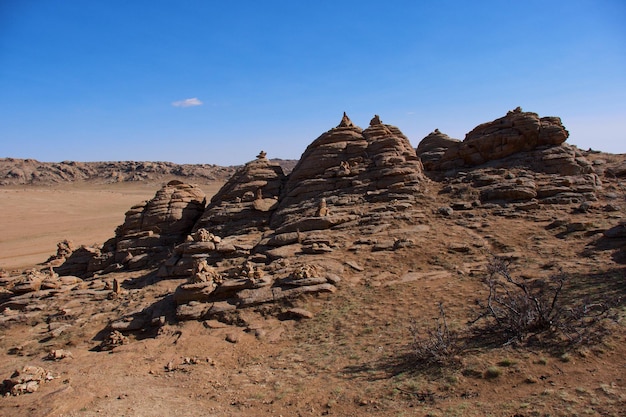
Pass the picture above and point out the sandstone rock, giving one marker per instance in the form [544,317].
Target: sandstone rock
[26,380]
[517,131]
[355,266]
[113,340]
[246,201]
[58,354]
[432,148]
[298,313]
[233,337]
[346,161]
[149,232]
[534,142]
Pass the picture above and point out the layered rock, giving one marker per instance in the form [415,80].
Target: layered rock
[348,166]
[150,231]
[246,201]
[517,158]
[240,210]
[432,148]
[516,132]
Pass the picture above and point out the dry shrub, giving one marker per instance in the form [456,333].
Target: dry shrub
[438,345]
[518,310]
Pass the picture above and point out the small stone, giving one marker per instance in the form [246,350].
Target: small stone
[233,337]
[58,354]
[299,313]
[355,266]
[445,211]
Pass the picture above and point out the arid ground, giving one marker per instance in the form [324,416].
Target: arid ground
[352,358]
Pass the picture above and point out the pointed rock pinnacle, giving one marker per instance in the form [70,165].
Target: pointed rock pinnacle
[376,120]
[345,121]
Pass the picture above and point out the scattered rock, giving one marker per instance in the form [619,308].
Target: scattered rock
[26,381]
[355,266]
[233,337]
[58,354]
[113,340]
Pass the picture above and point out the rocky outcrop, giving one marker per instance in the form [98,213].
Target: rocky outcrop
[348,166]
[432,148]
[518,131]
[517,158]
[246,201]
[523,135]
[249,286]
[519,185]
[266,237]
[150,231]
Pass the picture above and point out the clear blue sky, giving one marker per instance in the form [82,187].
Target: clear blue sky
[217,81]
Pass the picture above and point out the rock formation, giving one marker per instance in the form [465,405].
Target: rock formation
[29,171]
[150,231]
[518,131]
[432,148]
[266,236]
[347,165]
[517,158]
[246,201]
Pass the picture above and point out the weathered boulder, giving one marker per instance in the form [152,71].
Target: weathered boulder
[432,148]
[523,135]
[246,201]
[516,132]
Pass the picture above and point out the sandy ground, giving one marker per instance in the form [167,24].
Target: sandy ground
[35,219]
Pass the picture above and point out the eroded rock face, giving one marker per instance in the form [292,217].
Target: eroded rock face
[517,158]
[347,166]
[246,201]
[151,229]
[266,236]
[432,148]
[516,132]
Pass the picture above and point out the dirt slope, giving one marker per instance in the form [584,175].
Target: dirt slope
[351,357]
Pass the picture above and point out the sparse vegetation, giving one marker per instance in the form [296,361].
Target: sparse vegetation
[521,311]
[438,345]
[492,372]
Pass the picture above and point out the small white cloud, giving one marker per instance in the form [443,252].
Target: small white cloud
[188,102]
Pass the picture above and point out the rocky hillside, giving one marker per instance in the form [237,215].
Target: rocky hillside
[31,172]
[365,233]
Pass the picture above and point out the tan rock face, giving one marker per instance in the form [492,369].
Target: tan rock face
[149,231]
[514,133]
[348,163]
[246,201]
[518,157]
[432,148]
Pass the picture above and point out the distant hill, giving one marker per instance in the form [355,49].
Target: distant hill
[15,171]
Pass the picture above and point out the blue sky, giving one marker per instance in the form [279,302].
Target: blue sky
[216,82]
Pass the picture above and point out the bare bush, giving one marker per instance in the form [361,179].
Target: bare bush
[438,345]
[518,310]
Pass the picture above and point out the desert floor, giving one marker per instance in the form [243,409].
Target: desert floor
[35,219]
